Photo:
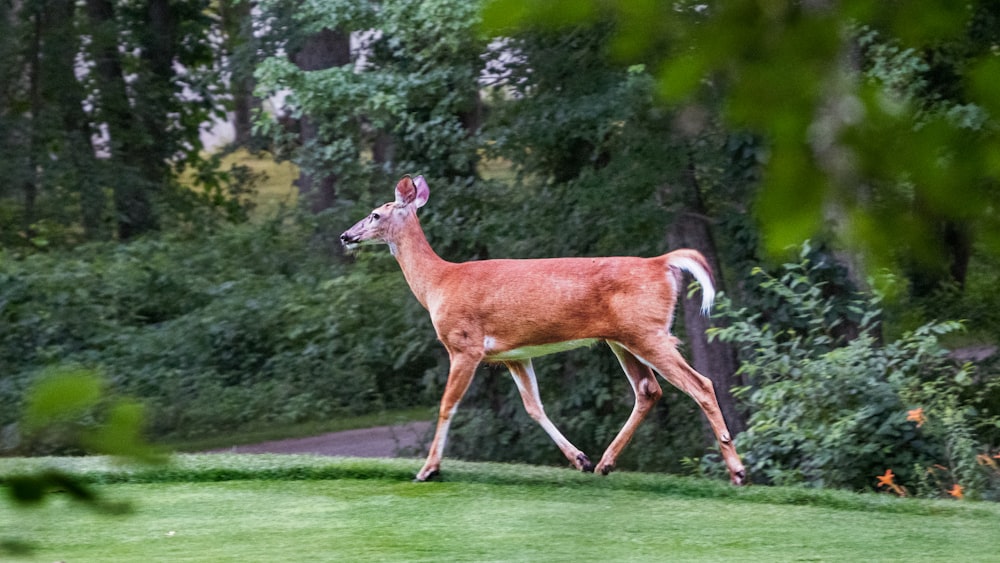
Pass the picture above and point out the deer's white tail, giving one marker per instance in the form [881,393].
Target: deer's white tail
[694,263]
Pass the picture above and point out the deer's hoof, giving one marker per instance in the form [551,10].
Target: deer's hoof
[584,463]
[431,475]
[605,468]
[739,478]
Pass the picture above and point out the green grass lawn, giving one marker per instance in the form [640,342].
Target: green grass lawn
[299,508]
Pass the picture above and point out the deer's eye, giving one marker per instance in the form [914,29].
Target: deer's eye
[376,216]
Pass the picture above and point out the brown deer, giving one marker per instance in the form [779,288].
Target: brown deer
[510,311]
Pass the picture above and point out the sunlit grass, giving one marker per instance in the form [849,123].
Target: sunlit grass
[497,169]
[278,186]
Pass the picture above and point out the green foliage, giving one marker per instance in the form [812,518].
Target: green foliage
[415,88]
[69,410]
[880,118]
[960,416]
[249,327]
[60,397]
[831,411]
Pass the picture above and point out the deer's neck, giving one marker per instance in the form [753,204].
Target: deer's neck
[421,266]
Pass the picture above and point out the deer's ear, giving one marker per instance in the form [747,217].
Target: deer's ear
[412,191]
[423,192]
[406,192]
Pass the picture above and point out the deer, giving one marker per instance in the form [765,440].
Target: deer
[509,311]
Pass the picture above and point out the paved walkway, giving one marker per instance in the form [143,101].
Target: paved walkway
[381,441]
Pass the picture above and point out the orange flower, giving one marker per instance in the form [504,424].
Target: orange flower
[916,415]
[886,480]
[956,491]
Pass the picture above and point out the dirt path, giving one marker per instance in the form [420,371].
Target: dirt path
[381,441]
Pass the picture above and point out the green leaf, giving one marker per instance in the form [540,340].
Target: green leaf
[984,84]
[121,433]
[680,77]
[61,396]
[25,489]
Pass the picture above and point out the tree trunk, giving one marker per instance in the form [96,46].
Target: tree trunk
[67,97]
[35,93]
[715,360]
[472,120]
[133,208]
[323,50]
[958,240]
[240,45]
[947,260]
[156,101]
[383,148]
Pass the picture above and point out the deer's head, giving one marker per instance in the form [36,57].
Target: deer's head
[382,224]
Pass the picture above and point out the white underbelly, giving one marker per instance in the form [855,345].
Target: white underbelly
[527,352]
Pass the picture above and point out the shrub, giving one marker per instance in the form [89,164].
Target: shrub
[831,411]
[253,325]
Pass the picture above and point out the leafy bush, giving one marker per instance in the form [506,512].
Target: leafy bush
[253,325]
[831,411]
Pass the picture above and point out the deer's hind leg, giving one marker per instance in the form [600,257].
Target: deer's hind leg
[524,376]
[647,393]
[662,354]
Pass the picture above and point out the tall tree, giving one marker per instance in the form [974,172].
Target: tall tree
[132,205]
[407,92]
[48,135]
[75,150]
[327,48]
[237,24]
[717,360]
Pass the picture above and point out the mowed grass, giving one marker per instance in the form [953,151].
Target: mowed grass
[296,508]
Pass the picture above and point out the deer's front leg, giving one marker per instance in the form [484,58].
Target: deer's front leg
[527,384]
[463,367]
